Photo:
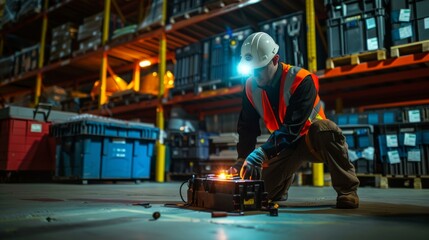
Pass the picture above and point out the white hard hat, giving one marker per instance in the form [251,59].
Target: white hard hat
[258,50]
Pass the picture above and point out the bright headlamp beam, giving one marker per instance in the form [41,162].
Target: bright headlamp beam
[244,69]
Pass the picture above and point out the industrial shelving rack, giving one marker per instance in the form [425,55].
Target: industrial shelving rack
[401,78]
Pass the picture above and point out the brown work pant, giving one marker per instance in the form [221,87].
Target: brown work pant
[330,147]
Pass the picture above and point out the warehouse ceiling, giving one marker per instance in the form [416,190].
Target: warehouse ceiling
[125,51]
[84,68]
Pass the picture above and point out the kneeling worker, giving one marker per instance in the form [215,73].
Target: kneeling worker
[287,99]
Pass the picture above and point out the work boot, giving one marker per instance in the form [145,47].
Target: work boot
[349,201]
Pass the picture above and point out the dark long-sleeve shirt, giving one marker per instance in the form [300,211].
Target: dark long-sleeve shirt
[299,109]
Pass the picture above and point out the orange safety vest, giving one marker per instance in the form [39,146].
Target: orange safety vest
[291,78]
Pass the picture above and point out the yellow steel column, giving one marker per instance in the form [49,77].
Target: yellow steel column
[38,88]
[103,71]
[318,178]
[160,146]
[136,76]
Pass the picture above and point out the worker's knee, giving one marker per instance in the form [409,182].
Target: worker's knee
[324,133]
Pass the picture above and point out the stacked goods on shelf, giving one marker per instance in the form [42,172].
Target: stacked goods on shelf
[124,31]
[15,10]
[402,149]
[54,95]
[401,137]
[24,134]
[402,22]
[409,21]
[224,146]
[6,67]
[153,15]
[187,68]
[62,41]
[28,7]
[187,149]
[220,59]
[355,26]
[422,19]
[8,11]
[193,145]
[26,60]
[90,32]
[360,140]
[222,123]
[91,147]
[185,9]
[290,34]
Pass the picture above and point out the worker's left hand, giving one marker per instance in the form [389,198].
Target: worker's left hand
[252,167]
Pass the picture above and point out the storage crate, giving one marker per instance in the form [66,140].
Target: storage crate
[344,8]
[402,149]
[153,15]
[409,21]
[26,145]
[26,59]
[351,34]
[361,149]
[180,8]
[387,116]
[24,134]
[221,56]
[290,34]
[97,157]
[188,66]
[63,41]
[78,157]
[191,153]
[6,67]
[194,145]
[410,142]
[104,148]
[421,9]
[350,118]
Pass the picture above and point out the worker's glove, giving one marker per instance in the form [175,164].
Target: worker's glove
[252,167]
[235,168]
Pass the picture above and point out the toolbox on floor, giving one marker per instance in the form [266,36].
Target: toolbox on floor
[231,195]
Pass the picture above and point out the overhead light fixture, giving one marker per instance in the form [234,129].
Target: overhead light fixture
[145,63]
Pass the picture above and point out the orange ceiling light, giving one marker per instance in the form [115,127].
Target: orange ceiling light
[145,63]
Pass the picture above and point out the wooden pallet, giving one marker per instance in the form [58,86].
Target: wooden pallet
[216,85]
[85,51]
[185,15]
[181,91]
[410,48]
[372,180]
[128,97]
[355,59]
[150,27]
[403,181]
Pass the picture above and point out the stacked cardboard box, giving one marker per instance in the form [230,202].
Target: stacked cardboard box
[63,39]
[6,67]
[90,32]
[26,60]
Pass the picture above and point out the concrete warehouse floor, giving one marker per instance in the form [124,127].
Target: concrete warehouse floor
[109,211]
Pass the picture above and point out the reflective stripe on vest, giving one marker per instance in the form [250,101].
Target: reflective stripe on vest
[290,80]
